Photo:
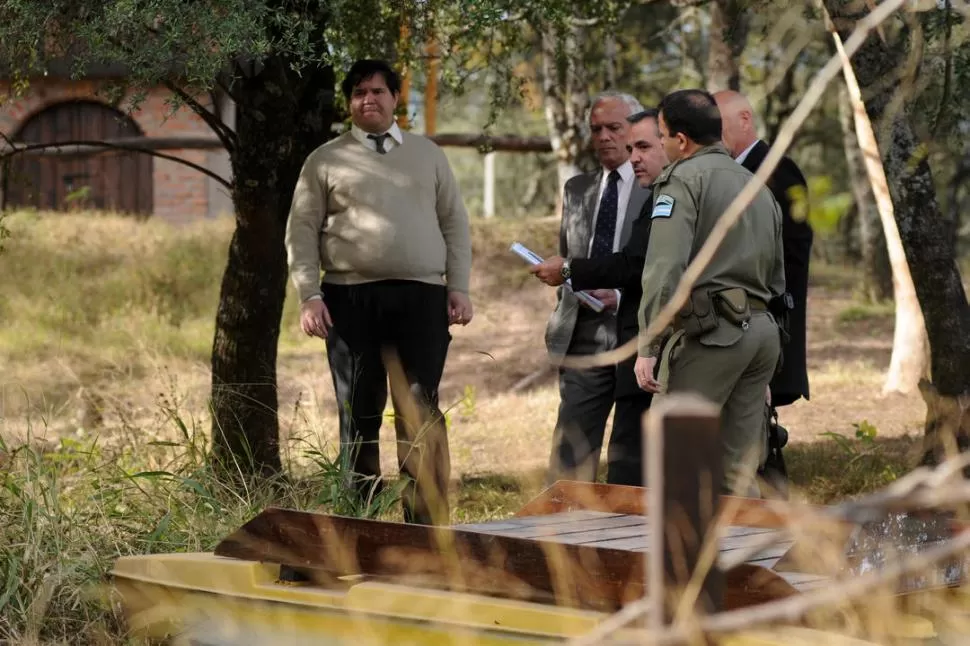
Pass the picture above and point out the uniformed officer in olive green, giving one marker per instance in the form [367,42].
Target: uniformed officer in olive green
[723,344]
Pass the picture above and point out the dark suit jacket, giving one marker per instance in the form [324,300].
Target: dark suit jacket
[579,203]
[622,270]
[792,382]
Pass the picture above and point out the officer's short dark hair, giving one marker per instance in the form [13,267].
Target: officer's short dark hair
[646,113]
[365,68]
[693,113]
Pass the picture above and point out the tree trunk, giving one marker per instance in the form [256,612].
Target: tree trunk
[779,104]
[848,233]
[877,274]
[909,362]
[566,99]
[924,232]
[729,34]
[281,118]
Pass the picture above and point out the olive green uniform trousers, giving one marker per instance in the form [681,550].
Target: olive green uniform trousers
[734,377]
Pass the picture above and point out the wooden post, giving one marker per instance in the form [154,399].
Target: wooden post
[488,190]
[402,119]
[431,90]
[683,474]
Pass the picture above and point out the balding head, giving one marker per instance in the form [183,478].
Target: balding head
[737,121]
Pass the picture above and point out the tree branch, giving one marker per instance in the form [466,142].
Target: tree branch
[26,149]
[215,123]
[225,89]
[732,214]
[226,136]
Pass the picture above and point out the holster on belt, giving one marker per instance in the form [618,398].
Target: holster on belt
[697,317]
[734,305]
[703,310]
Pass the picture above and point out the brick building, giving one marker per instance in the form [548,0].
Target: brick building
[57,109]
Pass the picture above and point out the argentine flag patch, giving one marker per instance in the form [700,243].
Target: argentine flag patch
[663,207]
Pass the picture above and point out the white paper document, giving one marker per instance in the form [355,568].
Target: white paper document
[533,259]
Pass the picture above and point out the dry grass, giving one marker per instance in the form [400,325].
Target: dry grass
[104,350]
[104,316]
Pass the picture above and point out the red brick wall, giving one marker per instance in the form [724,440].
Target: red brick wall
[180,193]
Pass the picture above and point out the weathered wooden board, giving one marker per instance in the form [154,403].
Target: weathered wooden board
[568,495]
[329,547]
[507,566]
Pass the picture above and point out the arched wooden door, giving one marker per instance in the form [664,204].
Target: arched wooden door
[111,180]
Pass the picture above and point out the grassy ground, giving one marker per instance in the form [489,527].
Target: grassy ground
[105,326]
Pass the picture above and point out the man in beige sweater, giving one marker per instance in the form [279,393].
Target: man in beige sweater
[379,211]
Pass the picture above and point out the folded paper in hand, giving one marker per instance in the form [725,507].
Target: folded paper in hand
[530,257]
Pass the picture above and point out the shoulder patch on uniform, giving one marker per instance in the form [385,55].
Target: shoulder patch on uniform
[663,207]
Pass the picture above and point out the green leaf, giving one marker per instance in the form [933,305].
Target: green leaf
[865,431]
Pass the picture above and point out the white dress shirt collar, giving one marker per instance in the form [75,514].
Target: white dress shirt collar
[624,188]
[361,135]
[744,153]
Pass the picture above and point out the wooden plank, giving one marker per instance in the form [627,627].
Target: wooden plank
[804,581]
[578,516]
[567,575]
[632,543]
[747,540]
[682,453]
[576,527]
[568,495]
[327,547]
[494,527]
[595,536]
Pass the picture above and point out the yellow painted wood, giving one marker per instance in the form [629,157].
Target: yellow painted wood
[221,602]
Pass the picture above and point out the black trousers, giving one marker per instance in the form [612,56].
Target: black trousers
[396,329]
[625,453]
[586,397]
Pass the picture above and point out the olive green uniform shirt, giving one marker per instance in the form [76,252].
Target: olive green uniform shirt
[689,198]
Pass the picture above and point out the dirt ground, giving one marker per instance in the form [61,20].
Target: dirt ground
[496,430]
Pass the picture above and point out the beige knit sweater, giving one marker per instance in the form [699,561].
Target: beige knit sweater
[361,216]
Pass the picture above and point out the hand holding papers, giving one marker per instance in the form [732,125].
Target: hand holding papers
[533,259]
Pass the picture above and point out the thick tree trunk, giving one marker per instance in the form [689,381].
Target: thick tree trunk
[729,34]
[925,233]
[281,118]
[877,273]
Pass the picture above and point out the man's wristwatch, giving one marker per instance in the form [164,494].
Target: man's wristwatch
[565,272]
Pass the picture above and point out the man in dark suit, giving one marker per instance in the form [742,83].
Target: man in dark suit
[791,191]
[598,212]
[622,270]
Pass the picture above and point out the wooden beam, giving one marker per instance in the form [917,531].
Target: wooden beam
[120,144]
[567,495]
[568,575]
[322,548]
[431,89]
[683,467]
[403,118]
[508,143]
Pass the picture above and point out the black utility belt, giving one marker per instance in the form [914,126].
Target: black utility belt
[706,308]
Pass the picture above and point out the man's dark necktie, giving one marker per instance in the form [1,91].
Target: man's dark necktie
[379,140]
[606,218]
